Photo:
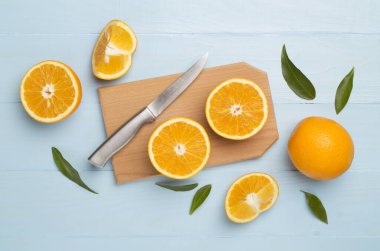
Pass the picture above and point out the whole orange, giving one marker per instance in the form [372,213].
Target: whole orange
[320,148]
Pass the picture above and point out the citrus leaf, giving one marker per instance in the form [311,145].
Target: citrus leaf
[181,188]
[295,79]
[316,206]
[68,170]
[199,197]
[343,91]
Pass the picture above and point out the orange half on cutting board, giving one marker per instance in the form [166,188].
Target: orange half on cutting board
[50,91]
[237,109]
[179,148]
[112,55]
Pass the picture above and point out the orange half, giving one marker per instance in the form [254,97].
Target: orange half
[237,109]
[179,148]
[112,55]
[249,196]
[50,91]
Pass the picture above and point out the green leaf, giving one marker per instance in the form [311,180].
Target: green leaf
[181,188]
[344,91]
[316,206]
[66,169]
[199,197]
[295,79]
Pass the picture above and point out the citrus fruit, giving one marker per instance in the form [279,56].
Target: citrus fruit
[249,196]
[179,148]
[50,91]
[112,55]
[320,148]
[237,109]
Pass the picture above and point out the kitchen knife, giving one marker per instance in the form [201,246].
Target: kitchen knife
[147,115]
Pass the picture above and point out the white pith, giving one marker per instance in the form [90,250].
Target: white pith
[180,149]
[113,50]
[47,93]
[236,109]
[253,201]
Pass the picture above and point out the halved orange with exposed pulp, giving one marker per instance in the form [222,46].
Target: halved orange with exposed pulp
[179,148]
[237,109]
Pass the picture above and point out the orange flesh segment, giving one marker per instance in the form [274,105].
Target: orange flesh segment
[111,63]
[243,211]
[121,38]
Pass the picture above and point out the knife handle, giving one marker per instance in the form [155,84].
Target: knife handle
[120,138]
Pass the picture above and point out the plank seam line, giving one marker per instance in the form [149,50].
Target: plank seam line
[279,103]
[202,236]
[225,170]
[312,33]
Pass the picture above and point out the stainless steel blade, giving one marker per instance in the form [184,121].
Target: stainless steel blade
[157,106]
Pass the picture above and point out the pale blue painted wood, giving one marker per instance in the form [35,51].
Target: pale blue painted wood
[196,16]
[43,204]
[262,243]
[40,209]
[326,59]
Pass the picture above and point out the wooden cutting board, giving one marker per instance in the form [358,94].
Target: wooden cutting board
[121,102]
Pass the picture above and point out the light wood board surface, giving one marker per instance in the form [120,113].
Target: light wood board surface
[121,102]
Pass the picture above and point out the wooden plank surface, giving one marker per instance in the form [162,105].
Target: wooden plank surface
[196,16]
[40,209]
[121,102]
[316,55]
[66,210]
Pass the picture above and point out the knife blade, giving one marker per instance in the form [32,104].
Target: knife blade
[147,115]
[172,92]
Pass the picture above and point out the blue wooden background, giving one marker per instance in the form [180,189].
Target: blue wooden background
[42,210]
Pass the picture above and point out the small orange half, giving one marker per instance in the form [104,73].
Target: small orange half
[112,55]
[237,109]
[179,148]
[249,196]
[50,91]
